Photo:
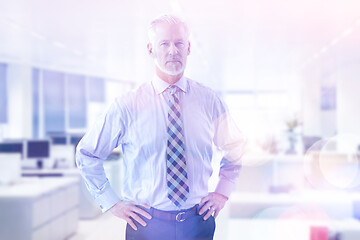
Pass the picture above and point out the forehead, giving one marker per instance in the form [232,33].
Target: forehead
[167,31]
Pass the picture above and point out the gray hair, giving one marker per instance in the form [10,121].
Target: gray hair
[169,19]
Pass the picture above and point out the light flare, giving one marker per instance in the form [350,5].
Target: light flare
[333,163]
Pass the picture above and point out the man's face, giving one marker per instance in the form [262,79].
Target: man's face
[170,48]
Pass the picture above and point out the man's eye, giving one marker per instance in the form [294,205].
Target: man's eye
[179,44]
[164,44]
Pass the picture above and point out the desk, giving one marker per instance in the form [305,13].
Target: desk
[271,229]
[88,208]
[283,173]
[312,204]
[39,209]
[58,172]
[261,173]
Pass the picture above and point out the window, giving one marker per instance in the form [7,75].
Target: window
[76,98]
[53,101]
[35,99]
[3,94]
[62,102]
[96,89]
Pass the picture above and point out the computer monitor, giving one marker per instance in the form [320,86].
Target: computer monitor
[59,140]
[38,150]
[75,139]
[12,147]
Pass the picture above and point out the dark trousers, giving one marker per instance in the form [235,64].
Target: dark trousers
[194,227]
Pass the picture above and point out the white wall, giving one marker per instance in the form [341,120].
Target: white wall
[345,119]
[348,100]
[19,88]
[311,105]
[318,122]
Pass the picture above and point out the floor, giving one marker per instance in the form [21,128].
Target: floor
[105,227]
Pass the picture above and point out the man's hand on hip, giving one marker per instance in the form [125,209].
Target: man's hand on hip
[214,202]
[130,211]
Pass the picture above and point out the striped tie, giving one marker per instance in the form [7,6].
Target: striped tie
[176,164]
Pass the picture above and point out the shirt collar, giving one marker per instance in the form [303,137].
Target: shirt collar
[160,85]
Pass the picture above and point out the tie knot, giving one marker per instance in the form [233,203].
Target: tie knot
[173,89]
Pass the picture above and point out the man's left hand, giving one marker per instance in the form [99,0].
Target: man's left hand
[214,202]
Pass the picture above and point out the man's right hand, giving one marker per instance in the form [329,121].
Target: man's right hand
[129,212]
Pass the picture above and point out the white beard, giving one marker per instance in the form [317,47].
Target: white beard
[173,72]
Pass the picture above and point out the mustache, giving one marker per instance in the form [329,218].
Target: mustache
[176,58]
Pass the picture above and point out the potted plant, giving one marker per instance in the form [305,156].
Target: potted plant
[292,124]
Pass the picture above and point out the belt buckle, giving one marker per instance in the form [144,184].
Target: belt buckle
[179,217]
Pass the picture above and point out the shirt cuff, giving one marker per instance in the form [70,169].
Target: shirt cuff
[224,187]
[107,199]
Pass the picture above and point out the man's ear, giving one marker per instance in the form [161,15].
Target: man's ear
[150,49]
[188,52]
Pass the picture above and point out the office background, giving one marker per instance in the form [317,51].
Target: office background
[288,70]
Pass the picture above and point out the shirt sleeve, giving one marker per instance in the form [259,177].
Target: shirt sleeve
[231,141]
[95,146]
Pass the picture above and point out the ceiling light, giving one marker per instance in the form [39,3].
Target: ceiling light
[324,49]
[15,25]
[78,52]
[58,44]
[37,35]
[334,41]
[315,56]
[347,32]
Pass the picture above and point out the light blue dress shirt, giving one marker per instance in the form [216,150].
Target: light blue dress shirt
[137,121]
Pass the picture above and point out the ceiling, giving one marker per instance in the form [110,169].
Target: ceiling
[235,44]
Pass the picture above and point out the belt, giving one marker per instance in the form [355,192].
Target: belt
[178,216]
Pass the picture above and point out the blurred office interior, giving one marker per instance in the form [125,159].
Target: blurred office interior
[288,70]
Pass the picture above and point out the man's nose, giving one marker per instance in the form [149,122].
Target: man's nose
[172,49]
